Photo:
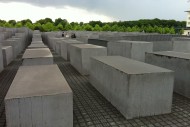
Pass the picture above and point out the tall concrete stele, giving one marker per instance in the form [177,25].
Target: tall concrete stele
[187,29]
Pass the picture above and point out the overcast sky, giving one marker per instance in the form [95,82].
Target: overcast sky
[87,10]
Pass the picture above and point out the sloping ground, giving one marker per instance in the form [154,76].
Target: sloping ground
[92,109]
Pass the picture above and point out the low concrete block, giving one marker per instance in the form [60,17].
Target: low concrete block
[15,46]
[39,56]
[37,45]
[181,44]
[7,55]
[1,58]
[136,89]
[39,97]
[176,61]
[130,49]
[65,48]
[80,56]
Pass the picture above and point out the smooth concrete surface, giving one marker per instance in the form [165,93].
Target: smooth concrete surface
[37,45]
[130,49]
[38,56]
[1,58]
[135,88]
[7,55]
[178,62]
[65,48]
[181,45]
[80,55]
[15,46]
[36,39]
[39,97]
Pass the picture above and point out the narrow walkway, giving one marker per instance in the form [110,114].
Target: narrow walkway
[91,109]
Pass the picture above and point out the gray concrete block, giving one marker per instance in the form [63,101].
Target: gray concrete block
[39,97]
[14,44]
[130,49]
[65,48]
[37,45]
[38,56]
[135,88]
[1,58]
[176,61]
[80,55]
[7,55]
[181,44]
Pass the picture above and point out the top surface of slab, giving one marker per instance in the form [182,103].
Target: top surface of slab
[6,47]
[38,81]
[130,66]
[87,46]
[137,42]
[37,53]
[71,41]
[181,55]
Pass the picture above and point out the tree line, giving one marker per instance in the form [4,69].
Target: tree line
[143,25]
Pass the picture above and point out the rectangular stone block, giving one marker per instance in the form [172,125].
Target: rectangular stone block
[39,97]
[7,55]
[38,56]
[80,55]
[1,58]
[179,62]
[181,44]
[37,45]
[130,49]
[135,88]
[65,48]
[14,44]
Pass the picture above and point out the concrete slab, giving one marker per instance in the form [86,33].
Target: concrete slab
[130,49]
[39,98]
[14,44]
[1,58]
[65,47]
[80,56]
[37,45]
[7,55]
[181,44]
[136,89]
[38,56]
[176,61]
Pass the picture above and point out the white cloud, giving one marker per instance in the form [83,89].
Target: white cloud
[19,11]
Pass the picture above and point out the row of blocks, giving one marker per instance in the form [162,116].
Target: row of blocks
[39,95]
[11,47]
[133,87]
[144,86]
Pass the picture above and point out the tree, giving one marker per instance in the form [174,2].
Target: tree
[97,28]
[88,27]
[12,22]
[7,25]
[106,27]
[59,26]
[48,27]
[18,24]
[25,21]
[67,27]
[30,25]
[58,21]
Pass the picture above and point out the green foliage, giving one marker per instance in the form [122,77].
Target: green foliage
[18,24]
[48,27]
[12,22]
[143,25]
[106,28]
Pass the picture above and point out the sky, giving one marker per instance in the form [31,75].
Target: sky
[88,10]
